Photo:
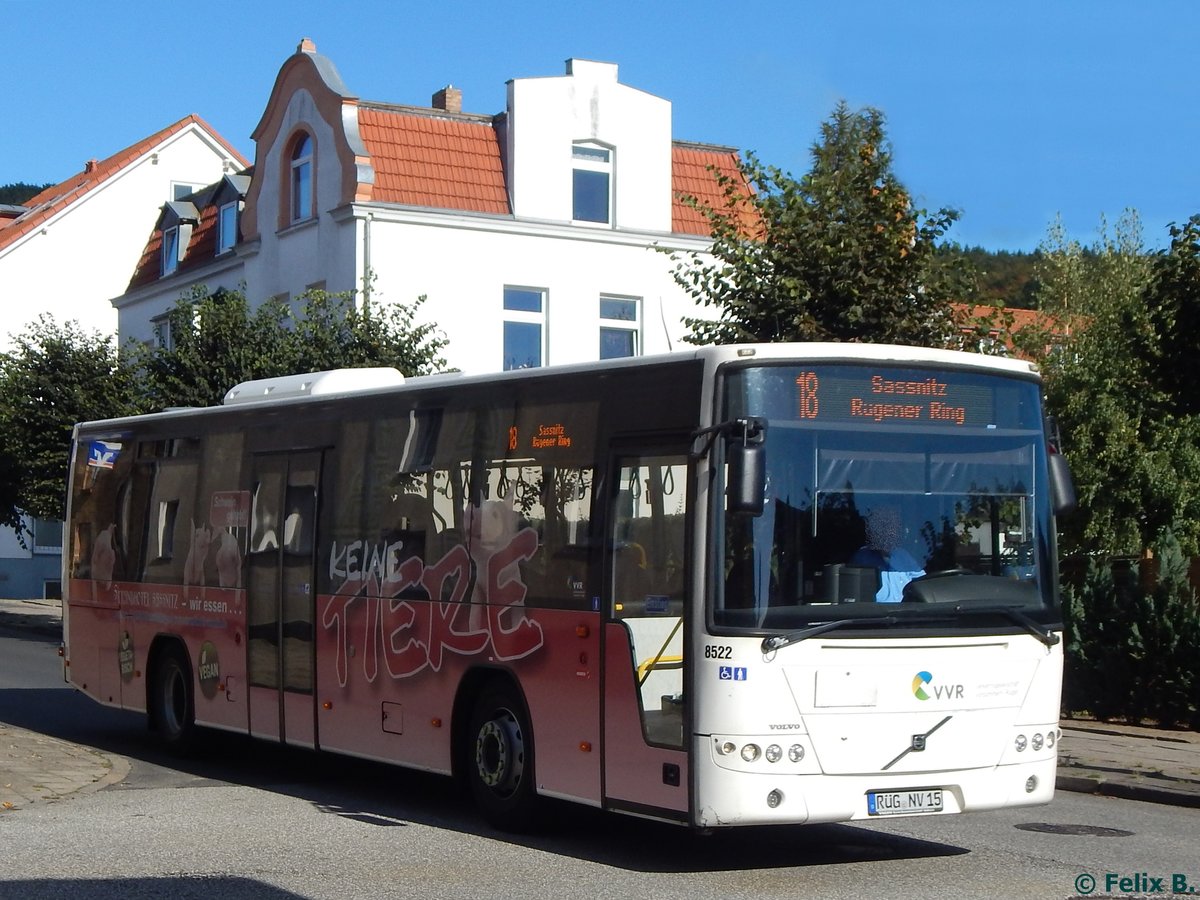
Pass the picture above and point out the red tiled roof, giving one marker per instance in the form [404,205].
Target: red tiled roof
[53,199]
[147,268]
[201,248]
[1021,318]
[694,171]
[444,162]
[439,160]
[434,161]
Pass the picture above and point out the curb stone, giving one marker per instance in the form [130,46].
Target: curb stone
[36,768]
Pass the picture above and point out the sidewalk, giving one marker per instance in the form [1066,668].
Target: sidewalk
[1130,761]
[36,768]
[1124,761]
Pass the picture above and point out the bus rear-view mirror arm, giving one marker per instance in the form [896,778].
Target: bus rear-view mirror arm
[1062,486]
[746,455]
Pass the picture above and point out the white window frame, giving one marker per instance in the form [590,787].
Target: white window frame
[525,317]
[632,326]
[170,250]
[593,156]
[162,332]
[227,227]
[301,175]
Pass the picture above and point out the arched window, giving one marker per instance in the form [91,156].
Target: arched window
[302,178]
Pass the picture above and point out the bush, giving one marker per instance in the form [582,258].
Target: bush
[1133,653]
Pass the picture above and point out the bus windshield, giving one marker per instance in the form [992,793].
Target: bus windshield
[890,491]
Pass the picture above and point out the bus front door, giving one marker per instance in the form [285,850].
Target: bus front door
[645,708]
[281,596]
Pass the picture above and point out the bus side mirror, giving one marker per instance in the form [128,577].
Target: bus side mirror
[746,455]
[1062,486]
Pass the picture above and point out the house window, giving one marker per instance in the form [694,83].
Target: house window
[524,320]
[181,190]
[162,333]
[302,179]
[47,535]
[227,227]
[170,250]
[591,183]
[619,327]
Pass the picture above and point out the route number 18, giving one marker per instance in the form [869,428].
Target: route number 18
[806,388]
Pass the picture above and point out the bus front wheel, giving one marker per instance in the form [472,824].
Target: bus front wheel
[172,705]
[500,759]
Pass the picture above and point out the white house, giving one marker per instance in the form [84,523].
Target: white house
[67,252]
[532,233]
[73,247]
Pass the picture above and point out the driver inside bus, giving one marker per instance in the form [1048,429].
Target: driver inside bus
[882,551]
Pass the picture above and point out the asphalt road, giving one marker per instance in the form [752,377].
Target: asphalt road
[252,820]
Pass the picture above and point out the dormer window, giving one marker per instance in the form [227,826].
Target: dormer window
[227,219]
[178,220]
[302,179]
[170,250]
[591,166]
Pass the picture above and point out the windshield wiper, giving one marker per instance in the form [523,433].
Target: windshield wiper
[1045,635]
[776,641]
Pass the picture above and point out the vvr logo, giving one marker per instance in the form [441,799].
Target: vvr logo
[939,691]
[919,681]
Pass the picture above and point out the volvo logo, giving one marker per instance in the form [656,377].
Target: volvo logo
[918,743]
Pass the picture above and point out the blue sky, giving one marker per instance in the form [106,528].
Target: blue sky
[1012,112]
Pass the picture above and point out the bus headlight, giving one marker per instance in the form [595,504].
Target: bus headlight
[796,752]
[1021,743]
[774,799]
[1050,739]
[1037,742]
[751,752]
[726,748]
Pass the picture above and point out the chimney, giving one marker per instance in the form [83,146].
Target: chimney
[448,98]
[90,165]
[306,45]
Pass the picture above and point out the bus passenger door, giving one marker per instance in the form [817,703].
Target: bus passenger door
[281,596]
[645,702]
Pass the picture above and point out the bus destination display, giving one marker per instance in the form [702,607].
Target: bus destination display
[883,396]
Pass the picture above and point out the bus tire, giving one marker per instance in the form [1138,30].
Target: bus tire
[500,759]
[172,703]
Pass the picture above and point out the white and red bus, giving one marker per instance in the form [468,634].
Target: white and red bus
[736,585]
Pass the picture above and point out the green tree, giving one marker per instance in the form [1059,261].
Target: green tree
[1173,300]
[333,331]
[1116,379]
[840,254]
[1004,278]
[1133,652]
[17,193]
[55,375]
[217,341]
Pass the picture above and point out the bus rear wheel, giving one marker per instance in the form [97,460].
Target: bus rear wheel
[172,705]
[500,759]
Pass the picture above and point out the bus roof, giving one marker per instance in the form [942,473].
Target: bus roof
[272,392]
